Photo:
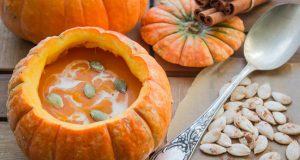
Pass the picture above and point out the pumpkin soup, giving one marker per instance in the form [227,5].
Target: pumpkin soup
[87,85]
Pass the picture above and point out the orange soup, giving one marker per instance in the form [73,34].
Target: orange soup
[87,85]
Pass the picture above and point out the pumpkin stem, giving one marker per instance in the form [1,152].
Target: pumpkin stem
[194,27]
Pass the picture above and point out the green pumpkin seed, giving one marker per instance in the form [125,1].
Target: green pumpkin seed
[97,66]
[89,91]
[98,115]
[55,100]
[120,85]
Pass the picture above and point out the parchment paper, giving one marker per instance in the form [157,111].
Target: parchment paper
[205,88]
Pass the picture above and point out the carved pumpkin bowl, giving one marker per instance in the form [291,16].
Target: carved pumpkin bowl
[88,94]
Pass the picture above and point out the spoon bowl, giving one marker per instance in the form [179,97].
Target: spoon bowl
[274,38]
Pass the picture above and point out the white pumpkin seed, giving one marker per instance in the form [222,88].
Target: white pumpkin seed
[251,90]
[282,98]
[256,132]
[120,85]
[238,149]
[275,106]
[224,140]
[89,91]
[233,132]
[265,129]
[264,91]
[261,144]
[251,103]
[218,123]
[245,82]
[270,156]
[222,90]
[289,128]
[97,66]
[265,114]
[233,105]
[243,123]
[211,136]
[293,151]
[229,114]
[55,100]
[219,113]
[279,117]
[98,115]
[252,116]
[212,149]
[248,140]
[282,138]
[238,93]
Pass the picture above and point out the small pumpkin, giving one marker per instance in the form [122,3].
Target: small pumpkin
[35,20]
[132,135]
[178,38]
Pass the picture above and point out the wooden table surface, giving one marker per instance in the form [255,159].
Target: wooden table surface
[12,49]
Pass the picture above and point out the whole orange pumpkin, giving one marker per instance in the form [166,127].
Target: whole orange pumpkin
[178,38]
[34,20]
[132,135]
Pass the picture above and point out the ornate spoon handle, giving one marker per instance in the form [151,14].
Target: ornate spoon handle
[183,146]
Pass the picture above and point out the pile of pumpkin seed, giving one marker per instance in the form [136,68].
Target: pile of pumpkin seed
[90,92]
[253,115]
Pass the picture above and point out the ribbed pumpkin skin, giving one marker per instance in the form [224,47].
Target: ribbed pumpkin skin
[175,36]
[35,20]
[132,135]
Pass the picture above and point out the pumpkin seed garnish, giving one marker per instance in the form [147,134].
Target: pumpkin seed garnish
[97,66]
[98,115]
[120,85]
[55,100]
[89,90]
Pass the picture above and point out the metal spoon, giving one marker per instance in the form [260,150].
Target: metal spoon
[271,42]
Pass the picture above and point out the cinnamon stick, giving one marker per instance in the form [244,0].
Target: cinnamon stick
[197,12]
[228,10]
[223,9]
[215,18]
[201,16]
[239,6]
[202,3]
[221,5]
